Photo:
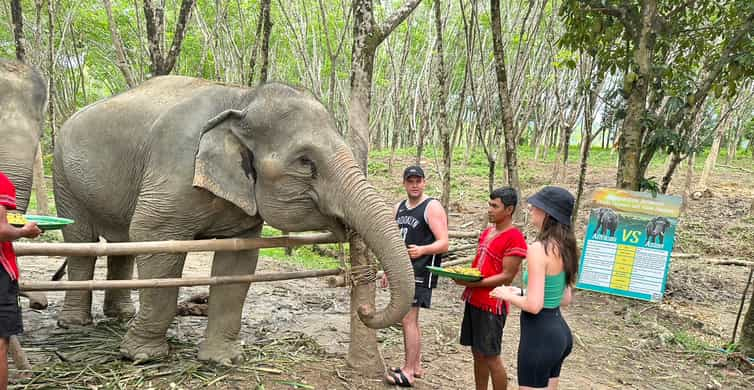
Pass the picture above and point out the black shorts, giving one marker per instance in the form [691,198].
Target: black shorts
[545,342]
[10,311]
[482,330]
[422,297]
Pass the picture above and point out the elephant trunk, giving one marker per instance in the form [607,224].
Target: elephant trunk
[365,211]
[20,174]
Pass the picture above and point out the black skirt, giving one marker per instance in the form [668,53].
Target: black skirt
[10,311]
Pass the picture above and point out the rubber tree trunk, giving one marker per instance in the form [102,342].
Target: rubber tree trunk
[363,353]
[747,329]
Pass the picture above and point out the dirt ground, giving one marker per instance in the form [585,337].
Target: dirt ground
[297,331]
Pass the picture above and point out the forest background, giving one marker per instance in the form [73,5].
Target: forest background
[440,82]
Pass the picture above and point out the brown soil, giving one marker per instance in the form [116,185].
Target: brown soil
[619,342]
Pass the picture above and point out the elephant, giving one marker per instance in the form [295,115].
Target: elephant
[656,230]
[607,221]
[180,158]
[23,98]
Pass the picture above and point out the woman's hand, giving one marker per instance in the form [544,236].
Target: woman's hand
[505,292]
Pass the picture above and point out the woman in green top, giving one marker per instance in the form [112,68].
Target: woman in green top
[552,263]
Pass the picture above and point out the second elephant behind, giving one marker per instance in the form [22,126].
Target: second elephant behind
[179,159]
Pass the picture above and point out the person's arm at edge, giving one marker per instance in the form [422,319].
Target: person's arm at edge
[9,232]
[534,300]
[511,265]
[567,297]
[438,224]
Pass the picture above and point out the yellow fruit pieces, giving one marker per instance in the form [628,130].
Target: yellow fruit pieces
[464,271]
[16,219]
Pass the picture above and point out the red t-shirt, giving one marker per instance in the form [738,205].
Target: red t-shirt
[8,200]
[489,261]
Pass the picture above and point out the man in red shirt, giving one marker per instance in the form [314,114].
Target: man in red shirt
[501,249]
[10,312]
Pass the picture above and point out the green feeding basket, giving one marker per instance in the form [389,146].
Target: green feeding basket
[45,222]
[442,272]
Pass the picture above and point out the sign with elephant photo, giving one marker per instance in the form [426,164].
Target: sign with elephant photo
[628,243]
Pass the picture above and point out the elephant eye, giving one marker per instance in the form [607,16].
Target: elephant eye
[309,164]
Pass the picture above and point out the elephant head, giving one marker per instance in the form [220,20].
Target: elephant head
[23,97]
[279,155]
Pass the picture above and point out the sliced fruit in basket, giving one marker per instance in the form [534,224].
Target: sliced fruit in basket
[16,219]
[467,274]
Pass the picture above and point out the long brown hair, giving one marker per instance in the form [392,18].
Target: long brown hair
[560,236]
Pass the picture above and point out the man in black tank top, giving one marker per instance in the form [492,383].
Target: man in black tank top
[424,227]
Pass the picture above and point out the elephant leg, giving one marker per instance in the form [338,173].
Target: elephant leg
[118,301]
[145,339]
[77,306]
[226,306]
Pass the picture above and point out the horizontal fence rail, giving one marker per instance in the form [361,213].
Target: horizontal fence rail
[175,282]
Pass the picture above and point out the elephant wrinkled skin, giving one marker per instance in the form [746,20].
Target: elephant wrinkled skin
[23,98]
[182,158]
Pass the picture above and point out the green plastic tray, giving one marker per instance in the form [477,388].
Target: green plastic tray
[442,272]
[46,222]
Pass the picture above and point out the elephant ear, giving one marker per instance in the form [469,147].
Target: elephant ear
[223,164]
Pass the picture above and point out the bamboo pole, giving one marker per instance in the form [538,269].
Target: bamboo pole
[174,246]
[173,282]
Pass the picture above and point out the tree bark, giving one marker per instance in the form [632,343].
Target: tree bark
[442,124]
[18,30]
[120,52]
[40,186]
[265,49]
[747,329]
[51,68]
[509,130]
[629,156]
[163,63]
[714,152]
[363,353]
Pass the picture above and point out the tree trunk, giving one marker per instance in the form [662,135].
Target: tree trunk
[163,63]
[120,53]
[18,30]
[51,68]
[583,163]
[561,165]
[629,168]
[509,130]
[690,161]
[675,159]
[442,118]
[363,354]
[733,144]
[265,49]
[40,186]
[714,152]
[747,329]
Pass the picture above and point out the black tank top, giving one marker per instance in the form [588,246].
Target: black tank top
[415,231]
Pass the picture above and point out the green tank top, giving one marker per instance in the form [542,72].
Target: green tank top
[554,288]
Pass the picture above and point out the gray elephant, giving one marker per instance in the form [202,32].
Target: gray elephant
[23,98]
[656,230]
[182,158]
[607,221]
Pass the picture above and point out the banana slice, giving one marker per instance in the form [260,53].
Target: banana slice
[16,219]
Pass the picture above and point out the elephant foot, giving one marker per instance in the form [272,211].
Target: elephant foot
[121,310]
[71,318]
[223,353]
[141,349]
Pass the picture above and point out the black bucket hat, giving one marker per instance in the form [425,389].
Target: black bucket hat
[555,201]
